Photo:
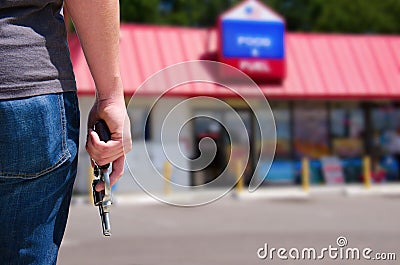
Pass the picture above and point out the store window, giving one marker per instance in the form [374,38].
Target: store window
[386,126]
[347,130]
[311,129]
[386,142]
[281,114]
[283,169]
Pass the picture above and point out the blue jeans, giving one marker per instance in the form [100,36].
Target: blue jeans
[38,163]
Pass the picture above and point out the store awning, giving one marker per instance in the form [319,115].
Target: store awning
[320,66]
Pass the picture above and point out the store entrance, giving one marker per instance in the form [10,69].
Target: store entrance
[219,150]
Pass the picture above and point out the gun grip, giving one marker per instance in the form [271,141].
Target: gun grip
[101,128]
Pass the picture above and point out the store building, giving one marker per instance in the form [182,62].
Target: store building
[339,96]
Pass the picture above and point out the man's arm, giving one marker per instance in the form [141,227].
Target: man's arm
[97,24]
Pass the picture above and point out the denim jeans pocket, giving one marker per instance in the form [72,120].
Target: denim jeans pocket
[33,136]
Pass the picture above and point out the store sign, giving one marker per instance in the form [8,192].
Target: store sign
[332,170]
[254,66]
[252,39]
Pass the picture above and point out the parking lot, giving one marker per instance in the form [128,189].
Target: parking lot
[231,231]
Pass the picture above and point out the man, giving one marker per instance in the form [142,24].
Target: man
[39,118]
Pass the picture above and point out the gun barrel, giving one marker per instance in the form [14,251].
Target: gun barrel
[106,224]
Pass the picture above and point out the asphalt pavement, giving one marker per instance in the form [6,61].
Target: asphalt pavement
[232,230]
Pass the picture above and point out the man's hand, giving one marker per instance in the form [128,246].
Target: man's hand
[113,112]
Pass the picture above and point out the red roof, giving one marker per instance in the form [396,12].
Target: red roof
[318,65]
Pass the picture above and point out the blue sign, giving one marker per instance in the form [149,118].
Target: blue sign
[253,39]
[281,171]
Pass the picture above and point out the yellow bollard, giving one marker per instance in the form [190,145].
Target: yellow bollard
[167,176]
[240,180]
[305,174]
[90,180]
[367,172]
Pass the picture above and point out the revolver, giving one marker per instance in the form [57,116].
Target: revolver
[103,199]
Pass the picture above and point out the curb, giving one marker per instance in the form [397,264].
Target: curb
[267,193]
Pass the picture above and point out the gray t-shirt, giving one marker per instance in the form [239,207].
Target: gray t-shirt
[34,55]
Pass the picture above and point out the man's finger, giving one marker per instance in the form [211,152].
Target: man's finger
[117,171]
[102,152]
[106,160]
